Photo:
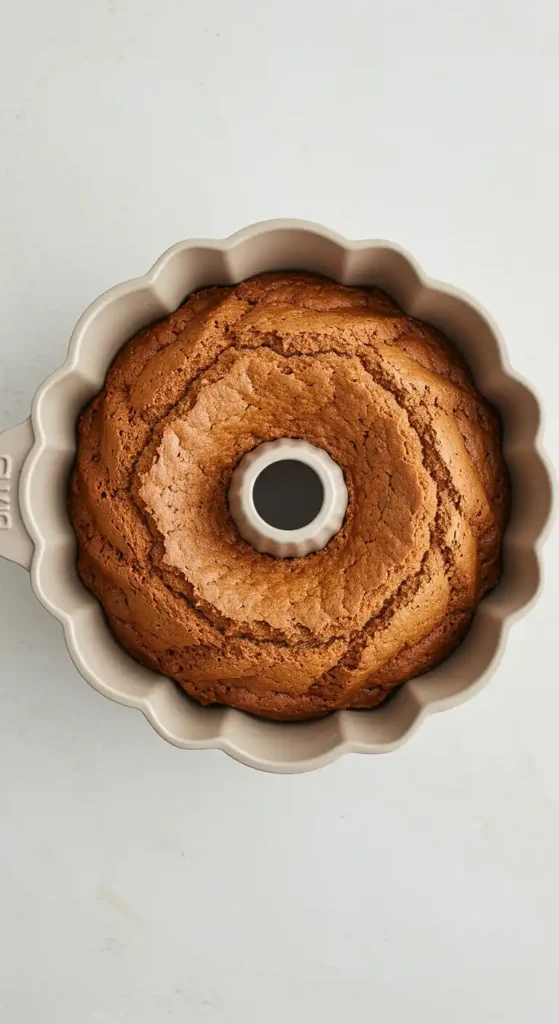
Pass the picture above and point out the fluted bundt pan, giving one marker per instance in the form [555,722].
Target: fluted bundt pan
[40,453]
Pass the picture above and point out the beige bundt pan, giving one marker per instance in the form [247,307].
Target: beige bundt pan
[36,458]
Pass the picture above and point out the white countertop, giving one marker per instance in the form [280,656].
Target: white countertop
[142,884]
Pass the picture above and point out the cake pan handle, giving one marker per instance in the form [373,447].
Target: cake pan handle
[15,542]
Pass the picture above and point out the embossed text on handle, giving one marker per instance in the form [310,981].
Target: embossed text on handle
[5,484]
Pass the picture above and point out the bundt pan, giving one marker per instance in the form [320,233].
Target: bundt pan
[36,458]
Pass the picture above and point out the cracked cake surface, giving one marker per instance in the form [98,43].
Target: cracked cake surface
[289,355]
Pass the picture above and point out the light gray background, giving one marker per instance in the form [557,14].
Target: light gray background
[141,884]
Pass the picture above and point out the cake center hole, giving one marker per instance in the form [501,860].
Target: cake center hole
[288,494]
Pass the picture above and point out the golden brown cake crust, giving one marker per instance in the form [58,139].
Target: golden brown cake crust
[289,355]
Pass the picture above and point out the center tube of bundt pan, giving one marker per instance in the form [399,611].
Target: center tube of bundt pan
[288,498]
